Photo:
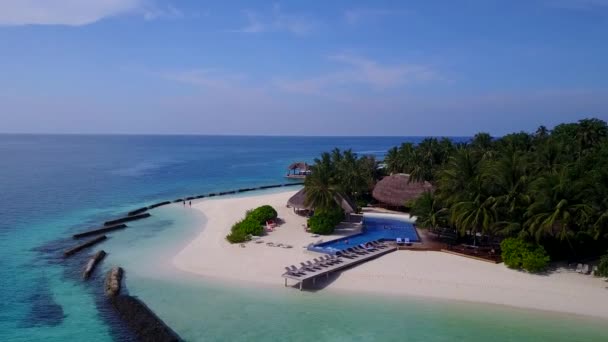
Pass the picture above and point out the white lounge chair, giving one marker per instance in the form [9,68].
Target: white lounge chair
[579,268]
[399,241]
[586,269]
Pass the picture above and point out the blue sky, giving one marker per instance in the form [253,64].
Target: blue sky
[301,67]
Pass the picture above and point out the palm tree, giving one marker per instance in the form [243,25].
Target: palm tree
[558,208]
[590,132]
[457,175]
[483,144]
[541,132]
[509,178]
[474,216]
[428,211]
[320,186]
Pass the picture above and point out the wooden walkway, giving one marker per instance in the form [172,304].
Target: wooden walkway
[346,263]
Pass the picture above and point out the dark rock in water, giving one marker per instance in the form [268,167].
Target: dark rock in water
[97,231]
[270,186]
[211,195]
[113,282]
[156,205]
[178,200]
[190,198]
[137,211]
[144,323]
[92,263]
[127,219]
[200,196]
[44,310]
[84,245]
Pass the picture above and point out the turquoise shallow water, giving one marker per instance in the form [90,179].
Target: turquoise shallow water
[53,186]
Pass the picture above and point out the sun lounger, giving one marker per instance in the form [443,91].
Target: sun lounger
[399,241]
[310,264]
[594,270]
[407,242]
[378,244]
[579,268]
[345,255]
[361,250]
[293,273]
[308,268]
[329,260]
[353,251]
[318,262]
[333,259]
[298,270]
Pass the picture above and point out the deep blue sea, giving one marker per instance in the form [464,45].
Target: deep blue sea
[54,185]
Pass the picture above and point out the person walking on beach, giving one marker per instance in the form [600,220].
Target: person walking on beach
[184,203]
[190,204]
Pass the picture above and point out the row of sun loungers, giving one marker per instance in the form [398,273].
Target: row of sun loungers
[354,252]
[324,262]
[316,265]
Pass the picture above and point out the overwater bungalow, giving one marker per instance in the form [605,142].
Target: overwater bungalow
[396,190]
[298,170]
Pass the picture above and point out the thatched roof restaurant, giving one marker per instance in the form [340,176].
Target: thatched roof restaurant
[297,202]
[396,190]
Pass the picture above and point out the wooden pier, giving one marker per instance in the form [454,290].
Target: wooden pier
[346,263]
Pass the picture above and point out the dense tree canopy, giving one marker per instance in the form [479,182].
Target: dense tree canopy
[550,187]
[339,173]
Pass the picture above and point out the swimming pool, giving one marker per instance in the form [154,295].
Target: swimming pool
[385,227]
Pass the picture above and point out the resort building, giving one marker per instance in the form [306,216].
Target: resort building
[396,190]
[298,203]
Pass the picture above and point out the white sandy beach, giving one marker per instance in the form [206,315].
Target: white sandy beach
[410,273]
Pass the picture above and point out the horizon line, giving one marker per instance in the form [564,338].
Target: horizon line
[238,135]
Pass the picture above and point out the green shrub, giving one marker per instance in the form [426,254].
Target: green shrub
[324,222]
[262,214]
[519,254]
[251,224]
[602,268]
[236,236]
[248,226]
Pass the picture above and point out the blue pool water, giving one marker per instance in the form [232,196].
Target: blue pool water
[375,227]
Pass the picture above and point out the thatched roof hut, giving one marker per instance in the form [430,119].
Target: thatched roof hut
[298,200]
[302,166]
[298,170]
[396,190]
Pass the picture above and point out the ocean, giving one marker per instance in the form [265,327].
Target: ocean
[52,186]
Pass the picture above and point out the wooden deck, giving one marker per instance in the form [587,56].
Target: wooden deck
[346,263]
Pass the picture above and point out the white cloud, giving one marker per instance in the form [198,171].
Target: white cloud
[79,12]
[62,12]
[361,71]
[275,21]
